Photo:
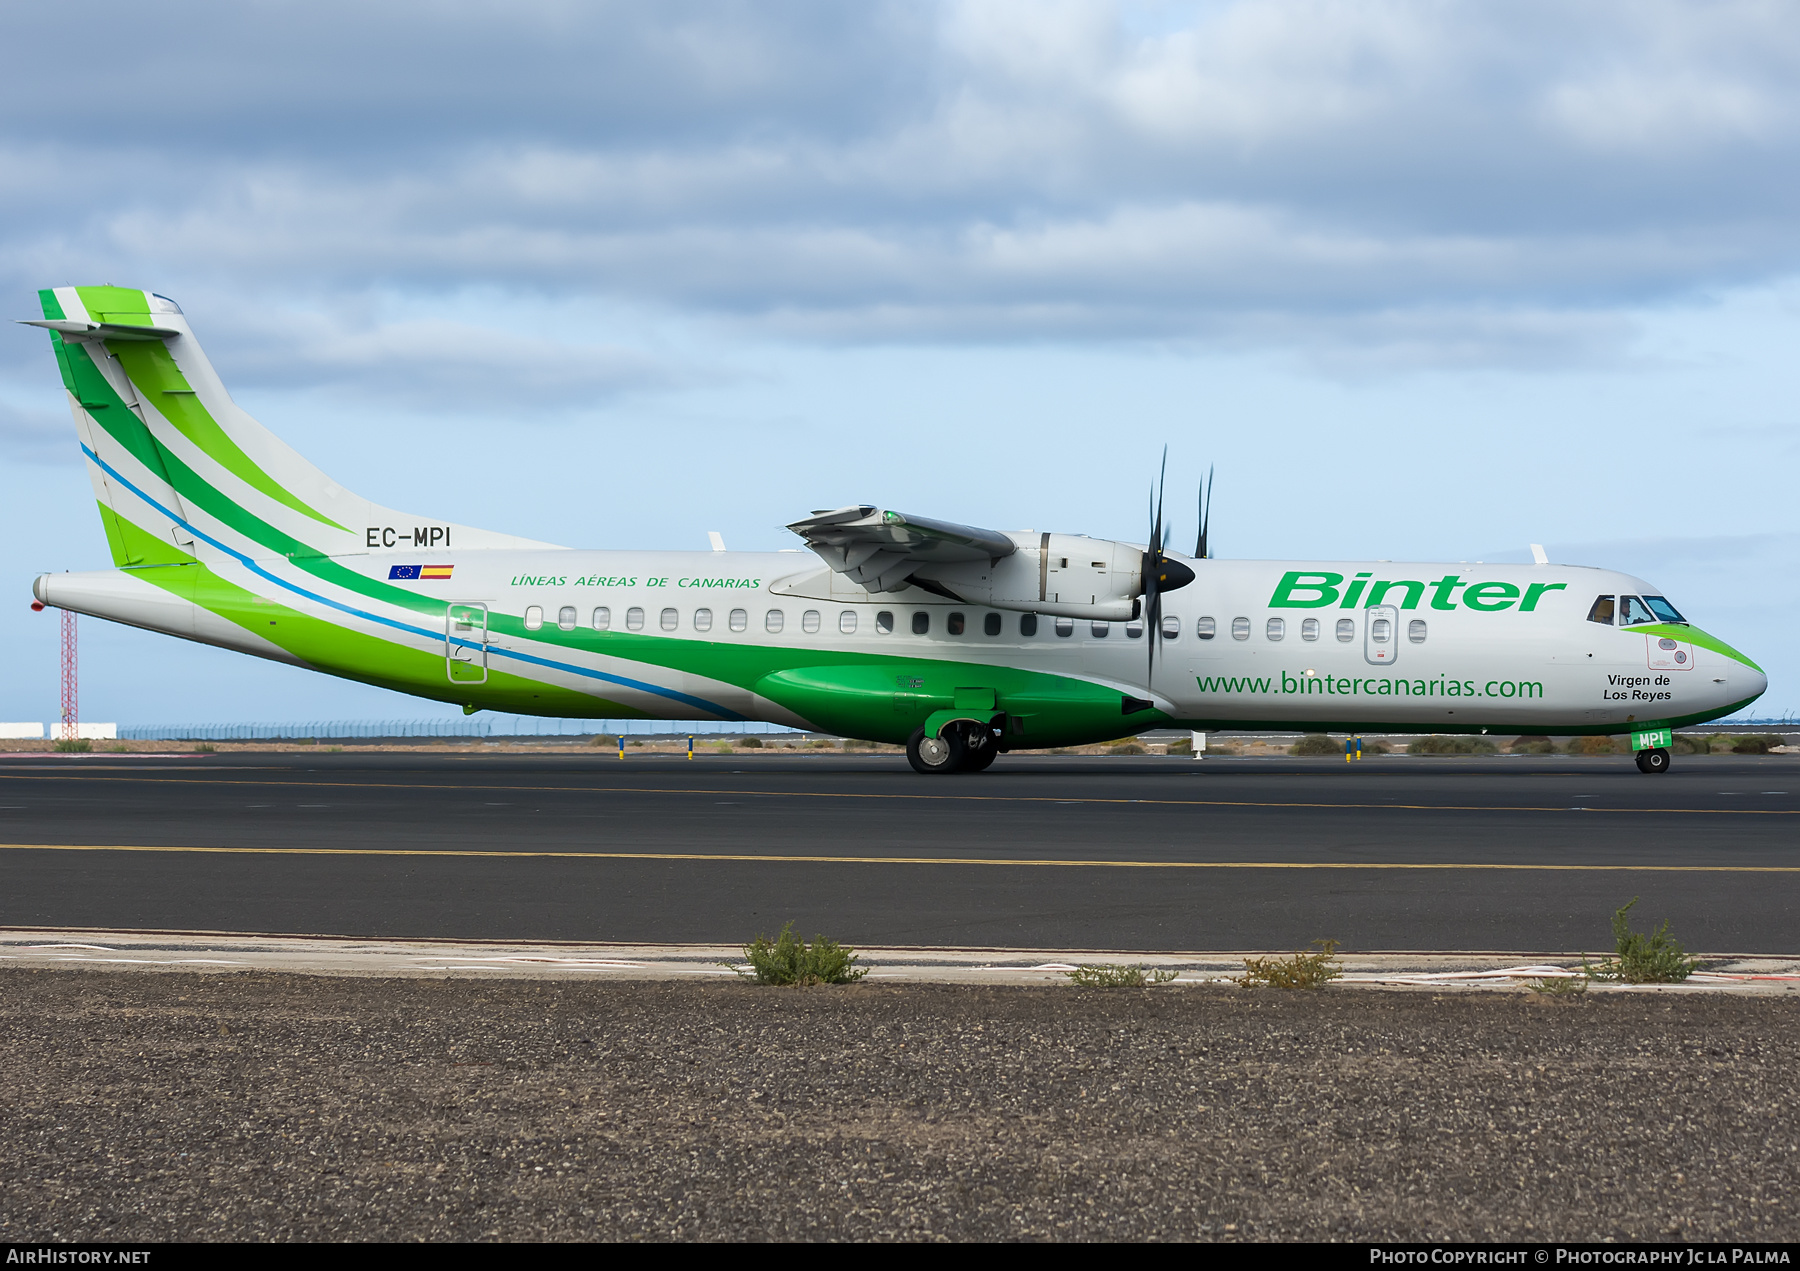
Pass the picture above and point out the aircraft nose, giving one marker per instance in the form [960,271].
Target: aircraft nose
[1740,684]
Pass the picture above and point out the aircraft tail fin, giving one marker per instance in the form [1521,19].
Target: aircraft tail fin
[178,467]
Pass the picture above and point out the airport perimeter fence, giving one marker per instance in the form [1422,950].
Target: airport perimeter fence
[448,729]
[539,726]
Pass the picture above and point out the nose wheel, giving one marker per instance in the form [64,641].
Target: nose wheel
[1653,760]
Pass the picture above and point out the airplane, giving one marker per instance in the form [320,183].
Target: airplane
[957,642]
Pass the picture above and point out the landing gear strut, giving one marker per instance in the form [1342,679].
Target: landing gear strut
[1653,760]
[961,748]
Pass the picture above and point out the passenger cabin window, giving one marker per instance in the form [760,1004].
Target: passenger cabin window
[1100,629]
[703,620]
[990,624]
[1415,631]
[847,622]
[1240,628]
[809,621]
[1065,626]
[602,618]
[1634,612]
[634,619]
[884,622]
[1028,624]
[1275,628]
[1381,630]
[565,617]
[1206,628]
[1602,612]
[954,624]
[1171,628]
[922,623]
[774,620]
[1346,630]
[737,619]
[1309,629]
[669,619]
[1664,610]
[1134,630]
[534,617]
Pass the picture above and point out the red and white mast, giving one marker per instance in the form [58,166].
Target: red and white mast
[71,686]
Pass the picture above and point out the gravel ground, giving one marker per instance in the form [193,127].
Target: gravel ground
[165,1106]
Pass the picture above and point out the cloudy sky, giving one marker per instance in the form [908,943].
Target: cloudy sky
[1428,280]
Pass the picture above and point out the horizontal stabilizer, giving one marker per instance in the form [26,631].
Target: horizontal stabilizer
[72,330]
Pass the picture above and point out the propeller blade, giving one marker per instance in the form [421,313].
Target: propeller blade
[1205,516]
[1154,567]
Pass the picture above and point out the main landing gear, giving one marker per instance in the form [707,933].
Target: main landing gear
[1653,760]
[964,746]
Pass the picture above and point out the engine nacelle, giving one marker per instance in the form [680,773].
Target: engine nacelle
[1066,575]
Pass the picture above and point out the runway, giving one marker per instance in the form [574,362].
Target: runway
[1513,854]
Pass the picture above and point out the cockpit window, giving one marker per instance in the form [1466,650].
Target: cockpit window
[1633,611]
[1664,610]
[1602,611]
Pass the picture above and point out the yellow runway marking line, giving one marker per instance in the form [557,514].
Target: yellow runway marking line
[770,859]
[953,798]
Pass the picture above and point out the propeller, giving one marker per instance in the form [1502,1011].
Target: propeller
[1160,572]
[1205,516]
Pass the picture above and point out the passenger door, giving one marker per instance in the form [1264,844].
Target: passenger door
[466,643]
[1381,635]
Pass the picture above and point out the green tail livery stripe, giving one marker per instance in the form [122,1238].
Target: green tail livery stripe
[152,369]
[623,681]
[161,386]
[124,427]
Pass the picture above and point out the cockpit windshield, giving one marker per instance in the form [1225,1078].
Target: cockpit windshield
[1632,611]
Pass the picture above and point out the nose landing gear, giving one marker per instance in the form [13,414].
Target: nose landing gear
[1653,760]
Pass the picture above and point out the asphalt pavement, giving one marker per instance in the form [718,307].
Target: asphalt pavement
[1505,854]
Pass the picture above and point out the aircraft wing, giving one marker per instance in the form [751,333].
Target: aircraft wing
[879,550]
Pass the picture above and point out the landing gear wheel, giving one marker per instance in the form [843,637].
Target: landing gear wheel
[934,755]
[1653,760]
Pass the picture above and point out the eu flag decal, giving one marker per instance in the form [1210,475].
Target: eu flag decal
[408,573]
[403,572]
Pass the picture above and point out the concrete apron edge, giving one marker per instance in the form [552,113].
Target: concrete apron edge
[47,948]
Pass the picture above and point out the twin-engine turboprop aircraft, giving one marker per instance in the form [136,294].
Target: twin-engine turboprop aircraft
[958,642]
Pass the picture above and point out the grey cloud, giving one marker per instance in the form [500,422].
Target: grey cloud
[439,365]
[357,81]
[1386,185]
